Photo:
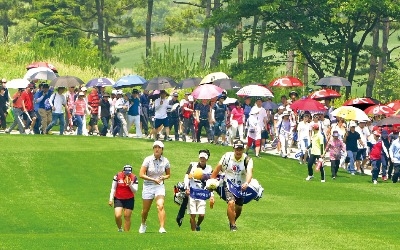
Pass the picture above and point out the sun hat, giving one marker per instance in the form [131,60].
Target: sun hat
[83,89]
[81,93]
[114,92]
[281,107]
[255,110]
[203,154]
[353,124]
[190,98]
[119,92]
[159,144]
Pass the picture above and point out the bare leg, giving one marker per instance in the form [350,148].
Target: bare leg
[118,216]
[127,217]
[193,222]
[161,210]
[231,212]
[145,210]
[238,210]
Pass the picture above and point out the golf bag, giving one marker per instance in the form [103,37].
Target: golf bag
[254,191]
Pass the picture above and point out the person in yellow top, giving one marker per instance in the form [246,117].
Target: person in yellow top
[317,149]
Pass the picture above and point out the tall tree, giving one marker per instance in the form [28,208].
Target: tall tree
[10,12]
[373,63]
[206,31]
[148,26]
[217,37]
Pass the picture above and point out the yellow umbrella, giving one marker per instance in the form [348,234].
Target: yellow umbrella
[350,113]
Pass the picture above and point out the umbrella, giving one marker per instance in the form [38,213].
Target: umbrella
[333,81]
[227,84]
[66,81]
[98,82]
[324,94]
[268,105]
[307,105]
[129,81]
[397,112]
[17,84]
[189,83]
[392,120]
[206,91]
[159,83]
[210,78]
[394,105]
[254,90]
[361,103]
[40,73]
[350,113]
[230,100]
[42,64]
[379,110]
[286,81]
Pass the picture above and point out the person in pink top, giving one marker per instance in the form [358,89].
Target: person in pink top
[70,96]
[335,147]
[236,121]
[79,111]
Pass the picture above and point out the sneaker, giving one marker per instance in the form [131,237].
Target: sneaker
[197,228]
[49,133]
[233,228]
[142,228]
[162,230]
[120,230]
[353,173]
[7,131]
[309,177]
[322,180]
[375,182]
[384,178]
[333,178]
[31,132]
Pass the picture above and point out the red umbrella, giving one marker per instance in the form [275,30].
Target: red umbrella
[206,91]
[324,94]
[286,81]
[395,105]
[361,103]
[307,105]
[379,110]
[42,64]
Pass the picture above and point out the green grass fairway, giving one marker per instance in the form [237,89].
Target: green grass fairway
[55,196]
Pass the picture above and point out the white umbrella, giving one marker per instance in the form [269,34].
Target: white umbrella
[255,90]
[230,100]
[40,73]
[17,84]
[214,76]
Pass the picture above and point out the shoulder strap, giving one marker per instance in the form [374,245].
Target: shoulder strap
[246,161]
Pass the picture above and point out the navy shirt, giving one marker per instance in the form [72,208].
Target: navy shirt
[352,141]
[134,108]
[144,101]
[219,111]
[204,110]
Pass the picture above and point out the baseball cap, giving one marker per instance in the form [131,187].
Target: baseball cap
[254,110]
[203,154]
[45,85]
[81,93]
[190,98]
[175,94]
[353,124]
[377,133]
[281,107]
[119,92]
[238,144]
[315,126]
[159,144]
[4,80]
[127,169]
[135,91]
[114,91]
[258,99]
[335,133]
[83,89]
[285,113]
[106,95]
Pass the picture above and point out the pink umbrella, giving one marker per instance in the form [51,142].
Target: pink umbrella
[286,81]
[324,94]
[206,91]
[379,110]
[254,90]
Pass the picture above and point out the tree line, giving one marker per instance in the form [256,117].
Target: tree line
[312,38]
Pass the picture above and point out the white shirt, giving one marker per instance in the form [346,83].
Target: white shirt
[364,134]
[160,109]
[121,103]
[193,183]
[262,114]
[155,168]
[303,130]
[254,130]
[235,170]
[57,101]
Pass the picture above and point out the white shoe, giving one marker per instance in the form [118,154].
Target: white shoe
[32,133]
[309,177]
[142,228]
[162,230]
[375,182]
[353,174]
[322,180]
[120,230]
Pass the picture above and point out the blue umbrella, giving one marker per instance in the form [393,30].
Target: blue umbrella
[129,81]
[99,82]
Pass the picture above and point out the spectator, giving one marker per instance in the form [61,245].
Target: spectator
[79,111]
[335,147]
[378,151]
[160,117]
[144,112]
[188,119]
[70,97]
[17,109]
[303,134]
[237,119]
[203,117]
[121,107]
[134,113]
[93,102]
[155,169]
[284,130]
[36,108]
[3,108]
[44,106]
[57,102]
[105,113]
[317,149]
[27,105]
[173,115]
[219,114]
[352,138]
[394,152]
[254,131]
[362,154]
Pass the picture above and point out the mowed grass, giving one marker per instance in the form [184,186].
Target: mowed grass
[55,192]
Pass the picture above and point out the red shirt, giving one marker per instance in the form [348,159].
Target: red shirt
[376,151]
[93,101]
[123,191]
[18,100]
[187,114]
[27,97]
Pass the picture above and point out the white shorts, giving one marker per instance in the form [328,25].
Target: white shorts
[150,192]
[196,206]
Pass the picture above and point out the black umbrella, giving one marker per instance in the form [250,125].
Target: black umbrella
[392,120]
[333,81]
[66,81]
[160,83]
[189,83]
[227,84]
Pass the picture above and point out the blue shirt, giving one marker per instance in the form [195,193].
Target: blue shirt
[35,104]
[41,103]
[134,108]
[204,110]
[144,101]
